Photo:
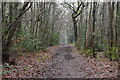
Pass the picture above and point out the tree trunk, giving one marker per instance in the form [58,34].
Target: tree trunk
[111,16]
[93,30]
[75,28]
[87,44]
[118,36]
[118,6]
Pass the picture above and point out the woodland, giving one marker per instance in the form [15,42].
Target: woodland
[60,39]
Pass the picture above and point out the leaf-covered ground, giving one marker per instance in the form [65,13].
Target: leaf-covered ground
[60,62]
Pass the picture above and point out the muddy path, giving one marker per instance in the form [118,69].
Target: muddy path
[61,62]
[68,64]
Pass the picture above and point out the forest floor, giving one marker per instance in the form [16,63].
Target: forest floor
[60,62]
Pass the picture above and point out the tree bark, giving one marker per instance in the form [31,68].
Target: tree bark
[110,29]
[75,28]
[118,36]
[93,30]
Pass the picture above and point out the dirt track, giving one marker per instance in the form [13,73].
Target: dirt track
[64,62]
[68,64]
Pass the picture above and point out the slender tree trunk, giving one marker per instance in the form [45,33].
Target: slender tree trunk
[118,27]
[88,45]
[111,13]
[75,28]
[87,28]
[118,36]
[93,30]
